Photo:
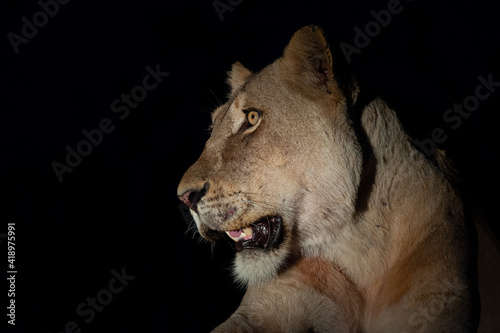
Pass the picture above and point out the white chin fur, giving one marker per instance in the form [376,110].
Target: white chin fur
[257,266]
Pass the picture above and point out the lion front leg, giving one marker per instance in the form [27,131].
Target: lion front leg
[286,309]
[237,323]
[290,304]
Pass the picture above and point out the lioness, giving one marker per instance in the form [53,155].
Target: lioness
[339,223]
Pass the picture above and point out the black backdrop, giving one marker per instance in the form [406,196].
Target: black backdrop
[117,209]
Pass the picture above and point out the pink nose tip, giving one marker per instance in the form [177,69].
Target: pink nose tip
[191,197]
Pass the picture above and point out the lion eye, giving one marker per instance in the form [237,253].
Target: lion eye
[253,117]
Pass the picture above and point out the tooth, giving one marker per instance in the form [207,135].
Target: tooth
[247,233]
[237,235]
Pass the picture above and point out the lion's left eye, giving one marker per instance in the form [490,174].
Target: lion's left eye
[253,117]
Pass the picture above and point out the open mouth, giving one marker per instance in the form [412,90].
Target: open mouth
[264,234]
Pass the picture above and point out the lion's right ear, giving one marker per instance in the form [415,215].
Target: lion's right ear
[237,76]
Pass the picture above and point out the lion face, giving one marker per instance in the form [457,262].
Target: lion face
[280,170]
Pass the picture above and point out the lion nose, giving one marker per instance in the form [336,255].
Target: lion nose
[191,197]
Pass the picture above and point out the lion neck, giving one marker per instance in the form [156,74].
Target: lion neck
[397,196]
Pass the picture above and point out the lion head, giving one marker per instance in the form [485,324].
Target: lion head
[280,171]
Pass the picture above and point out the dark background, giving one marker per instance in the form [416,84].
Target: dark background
[118,208]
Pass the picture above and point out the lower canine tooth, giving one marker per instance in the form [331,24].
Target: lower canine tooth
[247,233]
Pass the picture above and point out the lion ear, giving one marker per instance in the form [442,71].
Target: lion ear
[237,76]
[308,56]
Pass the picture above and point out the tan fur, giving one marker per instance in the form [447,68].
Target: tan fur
[373,242]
